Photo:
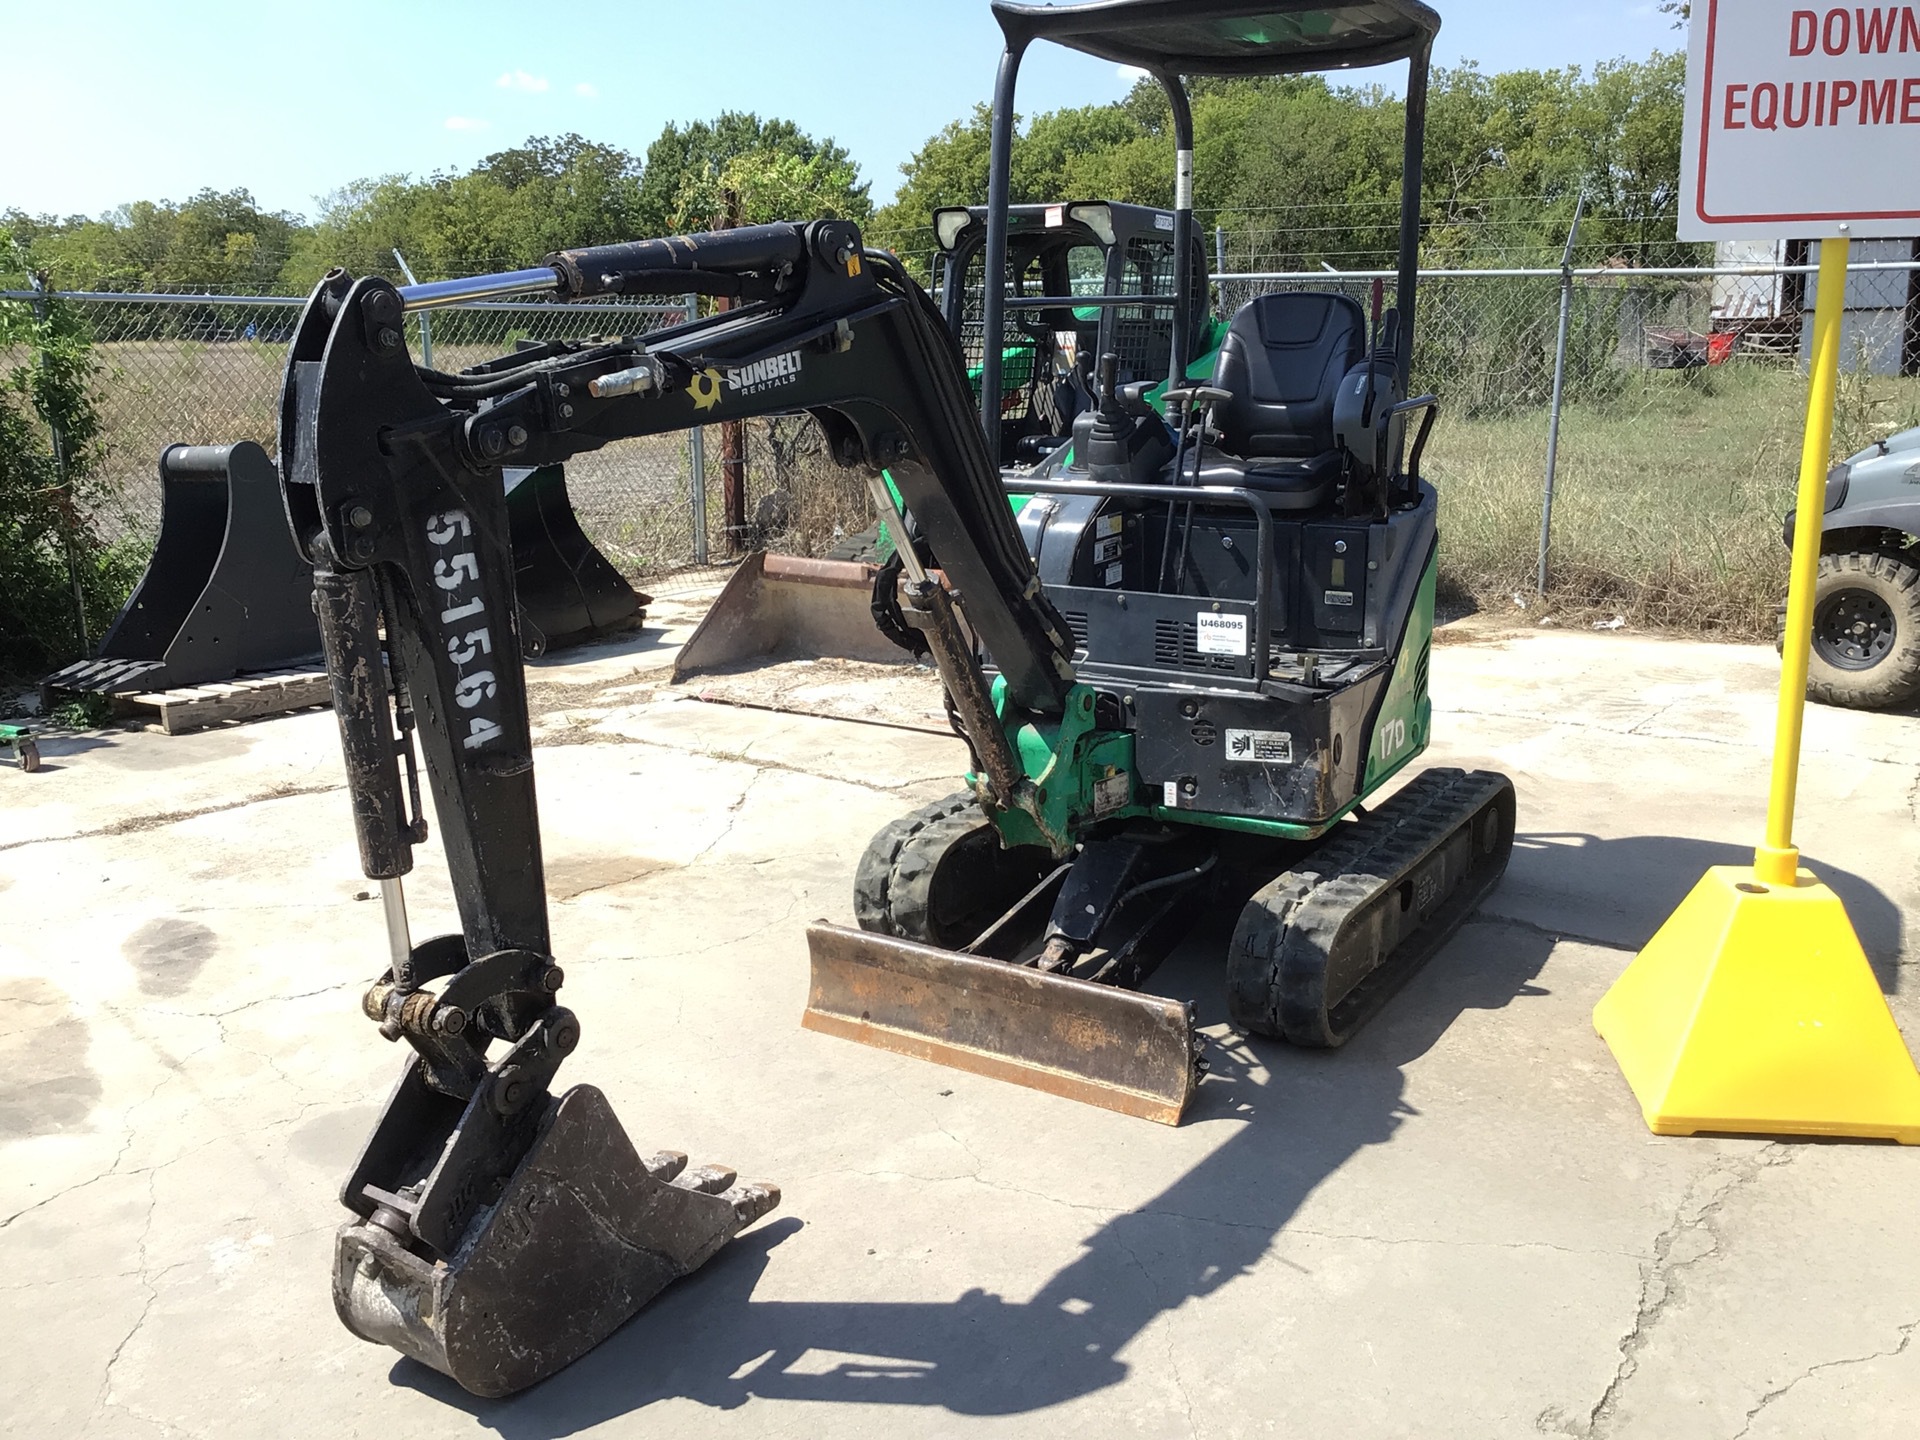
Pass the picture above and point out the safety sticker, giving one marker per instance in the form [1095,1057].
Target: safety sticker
[1115,574]
[1105,551]
[1339,597]
[1112,793]
[1220,634]
[1108,525]
[1170,794]
[1260,747]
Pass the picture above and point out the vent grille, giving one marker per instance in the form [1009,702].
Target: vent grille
[1175,644]
[1077,623]
[1420,669]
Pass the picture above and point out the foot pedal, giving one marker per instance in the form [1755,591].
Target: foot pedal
[584,1234]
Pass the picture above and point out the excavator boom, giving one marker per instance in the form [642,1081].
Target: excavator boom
[501,1230]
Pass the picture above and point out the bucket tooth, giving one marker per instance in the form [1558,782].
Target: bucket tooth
[583,1235]
[1114,1048]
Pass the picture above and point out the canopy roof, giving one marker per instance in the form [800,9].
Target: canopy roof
[1228,37]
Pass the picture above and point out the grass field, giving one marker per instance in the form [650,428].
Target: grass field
[1667,503]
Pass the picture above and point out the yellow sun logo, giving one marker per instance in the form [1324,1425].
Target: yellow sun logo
[705,389]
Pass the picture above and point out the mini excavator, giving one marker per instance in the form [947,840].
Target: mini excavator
[1183,673]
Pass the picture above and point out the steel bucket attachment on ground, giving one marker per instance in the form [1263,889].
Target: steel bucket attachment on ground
[1118,1049]
[783,604]
[568,591]
[583,1234]
[225,593]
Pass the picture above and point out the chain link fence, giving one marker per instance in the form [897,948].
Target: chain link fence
[1649,488]
[1680,413]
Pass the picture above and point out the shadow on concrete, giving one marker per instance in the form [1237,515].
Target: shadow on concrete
[1618,892]
[1298,1117]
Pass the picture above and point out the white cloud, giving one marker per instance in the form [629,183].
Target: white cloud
[587,90]
[521,80]
[1130,73]
[465,122]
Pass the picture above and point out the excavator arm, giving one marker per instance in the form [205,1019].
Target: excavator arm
[501,1232]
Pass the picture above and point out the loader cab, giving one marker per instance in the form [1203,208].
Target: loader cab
[1084,279]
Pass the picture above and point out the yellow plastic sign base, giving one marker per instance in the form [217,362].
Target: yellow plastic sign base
[1754,1011]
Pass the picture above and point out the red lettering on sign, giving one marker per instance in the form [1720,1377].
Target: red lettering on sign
[1766,107]
[1909,30]
[1805,87]
[1805,33]
[1736,102]
[1827,41]
[1875,28]
[1876,102]
[1910,100]
[1845,92]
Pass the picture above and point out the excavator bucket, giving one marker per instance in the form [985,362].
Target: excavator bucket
[225,592]
[568,592]
[1105,1046]
[584,1233]
[784,604]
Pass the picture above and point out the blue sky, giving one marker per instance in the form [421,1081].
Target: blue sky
[133,99]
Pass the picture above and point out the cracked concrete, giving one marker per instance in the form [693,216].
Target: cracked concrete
[1456,1226]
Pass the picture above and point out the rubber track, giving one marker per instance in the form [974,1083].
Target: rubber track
[891,886]
[1276,969]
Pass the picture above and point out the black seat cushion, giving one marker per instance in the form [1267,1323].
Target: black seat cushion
[1304,484]
[1283,360]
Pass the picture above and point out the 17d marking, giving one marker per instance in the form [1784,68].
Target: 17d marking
[455,574]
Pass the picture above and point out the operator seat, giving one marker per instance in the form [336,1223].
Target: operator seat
[1282,361]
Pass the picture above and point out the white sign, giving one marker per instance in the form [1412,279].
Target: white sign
[1801,120]
[1261,747]
[1220,634]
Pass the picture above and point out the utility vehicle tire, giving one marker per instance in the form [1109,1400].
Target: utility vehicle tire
[1866,631]
[940,876]
[28,756]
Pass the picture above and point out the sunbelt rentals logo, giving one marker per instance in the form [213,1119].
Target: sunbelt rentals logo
[773,373]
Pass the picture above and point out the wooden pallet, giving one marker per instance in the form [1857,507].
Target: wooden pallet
[195,707]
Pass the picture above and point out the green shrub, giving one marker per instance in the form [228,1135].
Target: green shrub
[54,566]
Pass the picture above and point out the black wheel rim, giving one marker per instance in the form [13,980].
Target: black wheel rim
[1853,629]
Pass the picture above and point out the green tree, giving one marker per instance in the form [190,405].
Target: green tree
[511,209]
[687,162]
[217,240]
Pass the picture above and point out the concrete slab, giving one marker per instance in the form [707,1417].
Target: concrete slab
[1456,1226]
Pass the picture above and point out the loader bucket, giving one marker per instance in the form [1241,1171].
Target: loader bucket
[568,591]
[783,604]
[225,592]
[1098,1044]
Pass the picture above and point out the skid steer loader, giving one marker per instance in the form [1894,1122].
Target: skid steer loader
[1219,654]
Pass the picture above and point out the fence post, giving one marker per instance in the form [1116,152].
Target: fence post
[697,458]
[42,313]
[426,325]
[1219,250]
[1559,394]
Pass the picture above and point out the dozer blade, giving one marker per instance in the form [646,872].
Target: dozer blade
[1095,1043]
[584,1234]
[785,604]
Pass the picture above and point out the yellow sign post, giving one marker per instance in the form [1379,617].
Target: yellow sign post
[1753,1010]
